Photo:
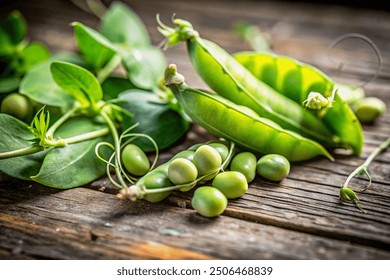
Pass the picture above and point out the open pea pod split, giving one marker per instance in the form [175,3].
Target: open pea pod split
[227,77]
[228,120]
[296,80]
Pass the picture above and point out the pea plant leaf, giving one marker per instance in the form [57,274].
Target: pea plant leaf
[9,84]
[97,51]
[39,85]
[113,86]
[31,55]
[122,26]
[145,66]
[15,135]
[155,119]
[12,32]
[77,81]
[76,164]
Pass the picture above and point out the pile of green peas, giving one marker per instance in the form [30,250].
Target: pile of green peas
[218,172]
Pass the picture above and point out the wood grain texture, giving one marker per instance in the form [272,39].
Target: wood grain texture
[299,218]
[86,224]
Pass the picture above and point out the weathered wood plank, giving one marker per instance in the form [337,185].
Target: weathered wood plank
[287,23]
[83,224]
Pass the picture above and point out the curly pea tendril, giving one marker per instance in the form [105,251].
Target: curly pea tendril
[316,100]
[115,161]
[346,193]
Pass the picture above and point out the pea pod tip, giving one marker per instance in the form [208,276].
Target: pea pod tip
[171,76]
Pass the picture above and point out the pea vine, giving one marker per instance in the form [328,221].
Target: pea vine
[346,193]
[76,110]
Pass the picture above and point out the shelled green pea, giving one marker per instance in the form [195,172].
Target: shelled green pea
[209,201]
[17,105]
[232,184]
[135,160]
[273,167]
[182,171]
[221,148]
[245,162]
[369,109]
[207,160]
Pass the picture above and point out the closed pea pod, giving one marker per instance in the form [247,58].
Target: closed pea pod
[231,80]
[245,163]
[225,119]
[297,81]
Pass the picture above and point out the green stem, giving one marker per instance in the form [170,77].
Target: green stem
[21,152]
[59,122]
[86,136]
[117,147]
[107,70]
[364,166]
[56,143]
[347,193]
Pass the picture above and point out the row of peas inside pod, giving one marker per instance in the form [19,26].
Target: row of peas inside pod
[217,169]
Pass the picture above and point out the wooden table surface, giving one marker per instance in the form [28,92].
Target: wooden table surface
[299,218]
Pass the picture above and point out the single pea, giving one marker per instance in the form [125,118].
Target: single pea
[157,180]
[17,105]
[368,109]
[209,201]
[273,167]
[232,184]
[350,93]
[245,163]
[221,148]
[182,171]
[187,154]
[135,160]
[207,160]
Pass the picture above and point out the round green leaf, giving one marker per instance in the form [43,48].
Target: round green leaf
[155,119]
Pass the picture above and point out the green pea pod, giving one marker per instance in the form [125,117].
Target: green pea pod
[226,119]
[231,80]
[296,81]
[156,178]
